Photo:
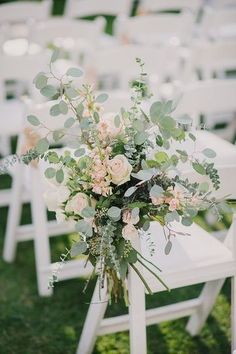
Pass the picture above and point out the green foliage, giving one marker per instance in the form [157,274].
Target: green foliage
[78,248]
[33,120]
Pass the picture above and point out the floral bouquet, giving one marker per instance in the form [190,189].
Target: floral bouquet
[116,176]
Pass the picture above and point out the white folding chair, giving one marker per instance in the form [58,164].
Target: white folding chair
[156,29]
[82,8]
[150,6]
[29,186]
[199,258]
[116,67]
[221,3]
[17,17]
[21,69]
[219,23]
[77,37]
[215,99]
[211,59]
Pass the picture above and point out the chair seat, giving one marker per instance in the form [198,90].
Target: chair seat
[194,258]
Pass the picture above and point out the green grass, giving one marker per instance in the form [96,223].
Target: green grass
[33,325]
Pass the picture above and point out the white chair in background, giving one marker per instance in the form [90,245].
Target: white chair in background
[198,258]
[29,186]
[218,23]
[211,59]
[221,3]
[114,68]
[215,99]
[77,37]
[83,8]
[150,6]
[20,69]
[156,29]
[16,18]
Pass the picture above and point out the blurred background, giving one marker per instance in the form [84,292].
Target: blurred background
[189,50]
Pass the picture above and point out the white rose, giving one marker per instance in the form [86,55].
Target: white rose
[79,202]
[129,232]
[119,169]
[55,196]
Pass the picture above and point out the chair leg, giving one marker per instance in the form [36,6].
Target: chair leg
[138,341]
[13,218]
[94,317]
[208,297]
[41,240]
[233,313]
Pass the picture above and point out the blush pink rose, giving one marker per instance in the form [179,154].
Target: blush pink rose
[128,219]
[174,204]
[120,169]
[129,232]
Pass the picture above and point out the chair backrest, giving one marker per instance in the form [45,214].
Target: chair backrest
[149,6]
[219,23]
[118,64]
[47,32]
[82,8]
[116,100]
[222,3]
[21,68]
[208,97]
[21,11]
[213,58]
[158,28]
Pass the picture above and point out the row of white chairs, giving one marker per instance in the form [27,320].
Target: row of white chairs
[214,24]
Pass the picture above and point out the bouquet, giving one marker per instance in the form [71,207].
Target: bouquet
[116,175]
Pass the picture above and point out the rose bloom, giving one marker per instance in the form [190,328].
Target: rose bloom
[157,200]
[119,169]
[174,204]
[77,203]
[129,232]
[128,219]
[55,196]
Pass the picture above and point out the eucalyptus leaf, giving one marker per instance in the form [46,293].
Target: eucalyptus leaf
[114,213]
[63,107]
[69,122]
[156,191]
[117,121]
[186,221]
[146,225]
[130,191]
[50,172]
[49,91]
[55,55]
[84,227]
[74,72]
[42,145]
[79,152]
[33,120]
[102,97]
[78,248]
[88,212]
[168,247]
[199,168]
[209,153]
[71,92]
[41,81]
[55,110]
[140,138]
[60,176]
